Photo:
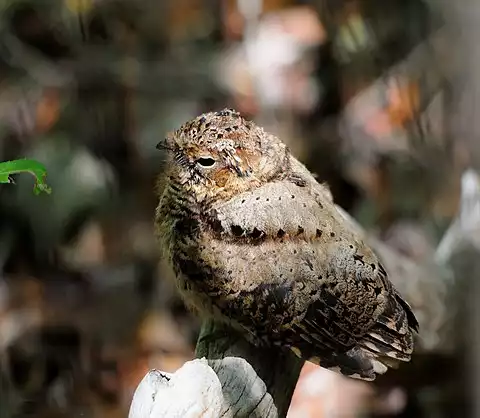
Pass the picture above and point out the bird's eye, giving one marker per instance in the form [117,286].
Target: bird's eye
[206,162]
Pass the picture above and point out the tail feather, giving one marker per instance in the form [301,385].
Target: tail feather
[378,351]
[385,345]
[354,364]
[380,348]
[390,342]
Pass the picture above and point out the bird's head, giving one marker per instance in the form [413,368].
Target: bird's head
[220,154]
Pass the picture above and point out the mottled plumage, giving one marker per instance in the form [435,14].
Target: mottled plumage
[255,241]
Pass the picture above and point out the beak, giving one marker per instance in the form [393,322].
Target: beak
[165,144]
[162,145]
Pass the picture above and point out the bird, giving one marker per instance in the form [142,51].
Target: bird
[257,243]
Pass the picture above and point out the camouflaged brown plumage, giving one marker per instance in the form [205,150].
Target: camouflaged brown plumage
[256,242]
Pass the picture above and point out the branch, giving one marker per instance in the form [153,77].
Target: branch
[257,382]
[191,391]
[237,380]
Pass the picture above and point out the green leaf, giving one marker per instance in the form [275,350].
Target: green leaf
[33,167]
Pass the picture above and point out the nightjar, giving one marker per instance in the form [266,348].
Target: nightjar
[255,241]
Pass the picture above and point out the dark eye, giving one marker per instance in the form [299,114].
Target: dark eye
[206,162]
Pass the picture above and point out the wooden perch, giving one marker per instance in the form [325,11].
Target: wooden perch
[237,380]
[194,390]
[258,382]
[234,379]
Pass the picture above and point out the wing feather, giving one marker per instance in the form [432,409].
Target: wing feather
[337,306]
